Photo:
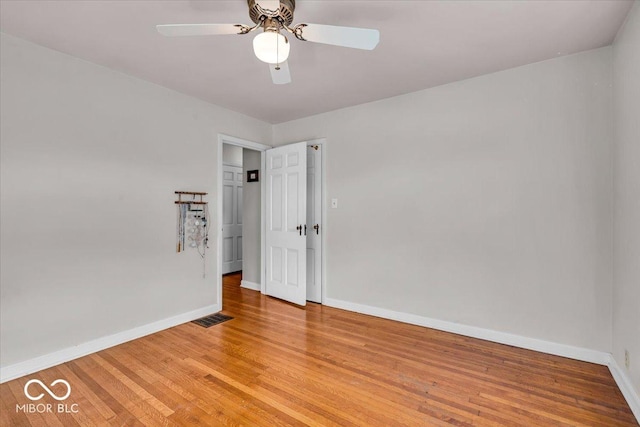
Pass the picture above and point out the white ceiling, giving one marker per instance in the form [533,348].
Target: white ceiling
[422,44]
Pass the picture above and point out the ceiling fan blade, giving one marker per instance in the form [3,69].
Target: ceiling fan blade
[358,38]
[172,30]
[281,76]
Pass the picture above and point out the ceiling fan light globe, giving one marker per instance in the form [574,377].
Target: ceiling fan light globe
[271,47]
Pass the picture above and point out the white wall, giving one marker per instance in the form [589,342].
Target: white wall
[90,159]
[485,202]
[626,289]
[231,155]
[251,214]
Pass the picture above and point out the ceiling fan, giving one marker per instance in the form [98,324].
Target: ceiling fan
[273,16]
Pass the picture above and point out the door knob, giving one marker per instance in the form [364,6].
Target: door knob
[317,228]
[305,229]
[299,228]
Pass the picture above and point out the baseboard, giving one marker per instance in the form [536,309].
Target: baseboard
[625,386]
[548,347]
[36,364]
[250,285]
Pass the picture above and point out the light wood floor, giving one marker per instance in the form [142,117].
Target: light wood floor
[276,364]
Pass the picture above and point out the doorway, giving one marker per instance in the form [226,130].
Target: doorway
[239,212]
[309,268]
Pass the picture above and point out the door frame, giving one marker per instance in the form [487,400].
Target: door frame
[239,142]
[322,142]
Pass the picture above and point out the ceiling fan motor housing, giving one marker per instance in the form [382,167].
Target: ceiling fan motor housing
[284,14]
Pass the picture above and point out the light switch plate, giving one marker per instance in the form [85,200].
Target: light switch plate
[334,203]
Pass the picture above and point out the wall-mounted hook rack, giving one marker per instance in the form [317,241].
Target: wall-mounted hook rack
[193,223]
[190,202]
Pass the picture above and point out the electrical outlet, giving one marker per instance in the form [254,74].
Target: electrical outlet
[627,361]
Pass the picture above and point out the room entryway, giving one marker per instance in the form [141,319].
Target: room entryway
[282,255]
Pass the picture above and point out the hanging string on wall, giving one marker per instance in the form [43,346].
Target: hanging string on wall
[192,228]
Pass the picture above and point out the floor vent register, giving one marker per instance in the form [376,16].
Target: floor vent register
[214,319]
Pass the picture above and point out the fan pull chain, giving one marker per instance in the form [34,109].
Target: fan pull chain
[277,54]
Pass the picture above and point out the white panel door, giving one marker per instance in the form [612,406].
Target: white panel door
[314,223]
[286,242]
[231,219]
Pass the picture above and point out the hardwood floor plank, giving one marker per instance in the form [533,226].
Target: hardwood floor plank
[99,411]
[125,396]
[9,400]
[127,377]
[34,418]
[112,405]
[281,411]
